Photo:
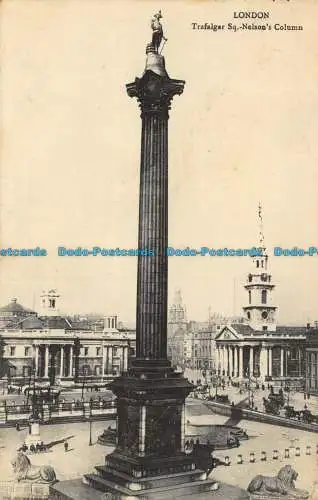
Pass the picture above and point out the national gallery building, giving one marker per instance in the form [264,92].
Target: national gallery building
[60,349]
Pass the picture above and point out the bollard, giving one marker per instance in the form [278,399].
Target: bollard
[297,454]
[286,453]
[252,457]
[308,450]
[263,456]
[227,460]
[239,459]
[275,454]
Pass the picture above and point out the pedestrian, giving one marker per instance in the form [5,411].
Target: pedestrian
[17,426]
[65,446]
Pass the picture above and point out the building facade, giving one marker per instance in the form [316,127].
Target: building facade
[312,361]
[62,350]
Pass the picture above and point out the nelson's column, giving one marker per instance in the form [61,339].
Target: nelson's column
[149,460]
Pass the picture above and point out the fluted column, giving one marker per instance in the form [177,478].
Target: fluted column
[263,362]
[46,362]
[154,93]
[281,361]
[110,359]
[226,360]
[236,374]
[36,364]
[251,365]
[71,362]
[125,361]
[270,361]
[230,361]
[62,361]
[104,363]
[241,362]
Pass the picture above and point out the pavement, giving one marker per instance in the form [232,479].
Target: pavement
[81,458]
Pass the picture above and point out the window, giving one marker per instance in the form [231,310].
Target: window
[249,296]
[85,351]
[264,296]
[12,351]
[27,351]
[52,303]
[248,315]
[98,351]
[257,263]
[115,351]
[264,328]
[98,370]
[250,277]
[264,314]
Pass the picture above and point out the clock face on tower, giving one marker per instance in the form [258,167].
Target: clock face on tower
[264,314]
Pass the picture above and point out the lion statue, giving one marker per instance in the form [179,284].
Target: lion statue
[282,485]
[25,471]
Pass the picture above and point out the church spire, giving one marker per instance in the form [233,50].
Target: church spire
[260,312]
[260,226]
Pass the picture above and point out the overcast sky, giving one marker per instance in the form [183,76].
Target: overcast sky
[245,130]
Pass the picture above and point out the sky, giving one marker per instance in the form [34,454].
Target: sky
[243,132]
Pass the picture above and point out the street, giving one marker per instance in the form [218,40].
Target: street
[81,458]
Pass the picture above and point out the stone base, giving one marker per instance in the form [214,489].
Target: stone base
[76,490]
[24,491]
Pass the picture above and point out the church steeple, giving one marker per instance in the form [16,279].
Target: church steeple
[260,313]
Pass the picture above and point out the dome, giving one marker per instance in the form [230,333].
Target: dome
[15,308]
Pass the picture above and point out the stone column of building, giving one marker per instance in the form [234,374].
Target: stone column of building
[110,360]
[270,361]
[70,373]
[241,374]
[230,361]
[36,363]
[62,362]
[236,372]
[300,367]
[104,362]
[223,360]
[263,361]
[125,359]
[46,362]
[218,360]
[251,363]
[282,370]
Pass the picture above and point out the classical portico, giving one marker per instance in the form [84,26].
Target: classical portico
[56,361]
[242,352]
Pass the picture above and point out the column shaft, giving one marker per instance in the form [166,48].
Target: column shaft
[270,361]
[251,365]
[46,362]
[281,361]
[241,363]
[62,362]
[235,362]
[230,361]
[36,365]
[71,362]
[152,292]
